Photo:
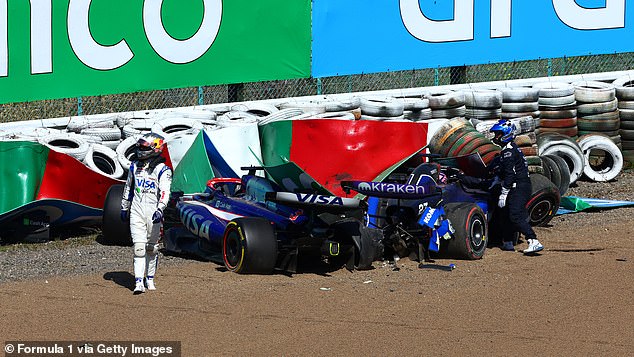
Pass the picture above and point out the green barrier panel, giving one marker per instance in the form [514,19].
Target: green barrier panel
[194,170]
[276,139]
[22,165]
[84,48]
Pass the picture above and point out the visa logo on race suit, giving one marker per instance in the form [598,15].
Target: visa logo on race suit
[145,185]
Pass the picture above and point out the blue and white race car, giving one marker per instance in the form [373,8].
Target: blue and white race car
[252,225]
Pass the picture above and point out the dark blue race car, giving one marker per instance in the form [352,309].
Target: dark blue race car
[445,207]
[252,225]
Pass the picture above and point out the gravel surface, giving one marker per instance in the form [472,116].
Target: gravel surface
[83,254]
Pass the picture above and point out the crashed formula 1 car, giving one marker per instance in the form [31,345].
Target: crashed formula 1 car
[252,225]
[432,210]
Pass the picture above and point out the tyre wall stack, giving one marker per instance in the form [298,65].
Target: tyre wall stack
[458,137]
[483,105]
[597,109]
[624,88]
[447,104]
[520,102]
[558,108]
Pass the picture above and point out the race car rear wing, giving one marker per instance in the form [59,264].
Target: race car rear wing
[314,200]
[425,187]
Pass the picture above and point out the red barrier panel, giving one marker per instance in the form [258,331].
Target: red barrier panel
[335,150]
[65,178]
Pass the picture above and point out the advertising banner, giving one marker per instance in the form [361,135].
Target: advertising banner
[67,48]
[367,36]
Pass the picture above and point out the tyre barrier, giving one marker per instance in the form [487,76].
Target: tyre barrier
[67,143]
[126,151]
[624,88]
[557,171]
[447,104]
[564,147]
[77,124]
[604,160]
[377,107]
[256,109]
[483,104]
[137,127]
[103,160]
[557,106]
[238,116]
[520,102]
[459,137]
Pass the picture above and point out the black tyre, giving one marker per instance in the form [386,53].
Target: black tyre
[564,173]
[114,230]
[249,246]
[471,231]
[544,201]
[552,171]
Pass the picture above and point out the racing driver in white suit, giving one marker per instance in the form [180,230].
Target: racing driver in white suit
[145,197]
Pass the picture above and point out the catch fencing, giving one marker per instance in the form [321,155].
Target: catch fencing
[205,95]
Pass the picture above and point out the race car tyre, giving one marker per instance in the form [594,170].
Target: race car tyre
[114,231]
[470,238]
[249,246]
[544,201]
[519,94]
[624,87]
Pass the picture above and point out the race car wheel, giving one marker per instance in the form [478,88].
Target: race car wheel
[544,201]
[470,238]
[114,230]
[249,245]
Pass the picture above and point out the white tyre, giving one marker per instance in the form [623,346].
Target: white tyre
[594,91]
[103,160]
[126,151]
[70,144]
[554,89]
[604,160]
[381,106]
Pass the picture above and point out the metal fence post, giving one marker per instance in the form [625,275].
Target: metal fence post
[201,97]
[436,77]
[550,67]
[80,110]
[318,86]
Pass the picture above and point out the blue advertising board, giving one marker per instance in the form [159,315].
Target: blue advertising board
[368,36]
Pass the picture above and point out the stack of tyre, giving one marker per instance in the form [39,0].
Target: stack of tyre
[624,87]
[447,104]
[483,105]
[520,102]
[326,107]
[458,137]
[566,148]
[381,108]
[557,108]
[597,109]
[416,108]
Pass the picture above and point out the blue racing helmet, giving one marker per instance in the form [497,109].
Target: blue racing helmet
[503,131]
